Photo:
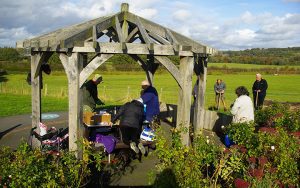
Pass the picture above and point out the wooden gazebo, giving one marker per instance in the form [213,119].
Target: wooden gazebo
[121,33]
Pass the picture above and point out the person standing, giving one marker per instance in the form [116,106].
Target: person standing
[131,120]
[219,88]
[90,94]
[259,90]
[242,108]
[150,99]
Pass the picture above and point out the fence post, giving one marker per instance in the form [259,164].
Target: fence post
[128,93]
[46,90]
[104,92]
[161,91]
[61,92]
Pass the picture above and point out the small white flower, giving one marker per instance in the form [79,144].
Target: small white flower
[207,137]
[222,127]
[9,176]
[272,147]
[207,141]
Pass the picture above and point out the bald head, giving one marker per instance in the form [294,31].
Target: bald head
[145,84]
[258,77]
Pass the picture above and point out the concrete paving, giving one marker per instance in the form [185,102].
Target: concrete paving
[14,129]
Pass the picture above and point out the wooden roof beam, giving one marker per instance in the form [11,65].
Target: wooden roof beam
[143,31]
[166,62]
[132,34]
[97,61]
[116,48]
[171,37]
[159,38]
[118,29]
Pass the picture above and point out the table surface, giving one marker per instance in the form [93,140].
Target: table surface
[98,126]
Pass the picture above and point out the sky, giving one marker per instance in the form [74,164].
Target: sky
[221,24]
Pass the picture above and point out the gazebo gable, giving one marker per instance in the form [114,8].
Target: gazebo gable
[123,27]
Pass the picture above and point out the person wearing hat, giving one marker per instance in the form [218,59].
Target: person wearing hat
[131,120]
[150,99]
[90,93]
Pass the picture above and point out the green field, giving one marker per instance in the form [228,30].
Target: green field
[15,95]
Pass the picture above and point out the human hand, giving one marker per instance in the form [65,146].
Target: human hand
[110,123]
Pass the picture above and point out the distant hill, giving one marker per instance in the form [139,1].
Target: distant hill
[262,56]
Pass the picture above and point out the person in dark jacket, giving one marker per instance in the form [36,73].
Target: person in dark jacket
[150,99]
[131,120]
[259,90]
[90,94]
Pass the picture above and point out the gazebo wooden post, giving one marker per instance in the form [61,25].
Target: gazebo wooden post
[184,100]
[36,93]
[73,65]
[199,111]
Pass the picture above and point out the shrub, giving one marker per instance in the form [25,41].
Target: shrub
[32,168]
[190,166]
[278,115]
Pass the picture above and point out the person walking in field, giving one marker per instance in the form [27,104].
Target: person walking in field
[242,108]
[219,88]
[90,94]
[259,90]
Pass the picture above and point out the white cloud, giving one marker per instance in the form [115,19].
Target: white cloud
[145,8]
[181,15]
[8,37]
[147,13]
[249,31]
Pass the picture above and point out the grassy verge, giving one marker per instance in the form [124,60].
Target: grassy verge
[12,104]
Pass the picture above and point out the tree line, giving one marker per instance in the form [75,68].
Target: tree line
[260,56]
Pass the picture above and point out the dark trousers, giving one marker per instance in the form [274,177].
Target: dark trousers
[260,100]
[130,134]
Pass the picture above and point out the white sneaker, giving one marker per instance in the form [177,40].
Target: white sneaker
[142,148]
[133,147]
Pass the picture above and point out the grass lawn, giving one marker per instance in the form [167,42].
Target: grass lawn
[15,97]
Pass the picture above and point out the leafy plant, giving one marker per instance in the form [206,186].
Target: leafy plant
[190,166]
[32,168]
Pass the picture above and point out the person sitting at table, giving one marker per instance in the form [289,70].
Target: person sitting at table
[131,116]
